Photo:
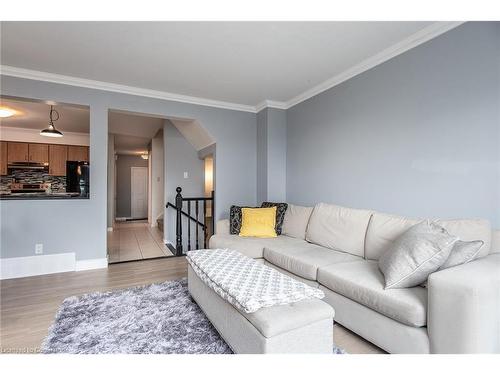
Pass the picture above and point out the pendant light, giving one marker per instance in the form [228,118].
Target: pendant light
[51,131]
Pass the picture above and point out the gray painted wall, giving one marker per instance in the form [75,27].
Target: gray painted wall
[262,156]
[59,224]
[123,182]
[157,157]
[180,157]
[418,135]
[276,155]
[271,155]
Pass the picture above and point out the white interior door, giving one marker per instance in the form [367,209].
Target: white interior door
[139,192]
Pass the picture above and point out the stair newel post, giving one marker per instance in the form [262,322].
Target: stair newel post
[189,226]
[205,224]
[178,230]
[197,231]
[212,209]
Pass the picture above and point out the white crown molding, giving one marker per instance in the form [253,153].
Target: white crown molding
[270,104]
[13,71]
[412,41]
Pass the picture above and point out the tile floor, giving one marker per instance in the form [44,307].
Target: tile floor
[135,240]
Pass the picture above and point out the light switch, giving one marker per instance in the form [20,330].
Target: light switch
[186,175]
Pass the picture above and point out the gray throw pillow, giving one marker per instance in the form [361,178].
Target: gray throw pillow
[462,252]
[236,218]
[280,213]
[414,255]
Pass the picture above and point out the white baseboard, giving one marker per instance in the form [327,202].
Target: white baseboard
[122,218]
[12,268]
[91,264]
[110,229]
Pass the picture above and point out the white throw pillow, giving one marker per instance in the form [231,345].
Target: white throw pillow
[296,220]
[417,253]
[463,252]
[469,230]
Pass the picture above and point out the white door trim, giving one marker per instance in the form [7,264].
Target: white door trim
[133,213]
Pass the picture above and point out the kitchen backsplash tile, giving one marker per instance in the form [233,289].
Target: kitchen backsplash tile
[31,176]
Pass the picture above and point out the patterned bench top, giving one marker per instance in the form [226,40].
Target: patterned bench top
[245,283]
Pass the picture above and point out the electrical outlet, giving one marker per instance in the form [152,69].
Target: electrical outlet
[39,248]
[186,175]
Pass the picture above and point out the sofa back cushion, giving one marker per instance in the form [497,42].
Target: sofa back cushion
[382,230]
[296,220]
[470,230]
[495,241]
[338,228]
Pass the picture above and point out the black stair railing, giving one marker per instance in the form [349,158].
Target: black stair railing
[199,202]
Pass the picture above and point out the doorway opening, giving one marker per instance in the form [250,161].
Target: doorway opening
[149,158]
[208,172]
[135,187]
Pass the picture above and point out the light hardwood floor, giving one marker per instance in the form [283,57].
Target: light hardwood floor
[28,305]
[134,240]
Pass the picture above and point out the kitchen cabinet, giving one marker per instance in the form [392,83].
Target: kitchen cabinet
[17,152]
[78,153]
[58,155]
[3,158]
[38,153]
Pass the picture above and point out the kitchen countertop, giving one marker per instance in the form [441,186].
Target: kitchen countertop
[40,196]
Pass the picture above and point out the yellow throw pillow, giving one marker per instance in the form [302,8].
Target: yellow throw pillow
[258,222]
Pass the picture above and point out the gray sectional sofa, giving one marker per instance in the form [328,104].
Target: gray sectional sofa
[336,249]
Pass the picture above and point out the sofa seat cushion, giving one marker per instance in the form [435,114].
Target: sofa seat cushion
[252,247]
[276,320]
[364,283]
[303,259]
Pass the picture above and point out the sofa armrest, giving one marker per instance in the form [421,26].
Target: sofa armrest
[222,227]
[464,308]
[495,241]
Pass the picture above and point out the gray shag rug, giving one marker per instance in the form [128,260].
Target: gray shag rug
[153,319]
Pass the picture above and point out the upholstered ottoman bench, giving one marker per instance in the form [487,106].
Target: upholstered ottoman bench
[304,326]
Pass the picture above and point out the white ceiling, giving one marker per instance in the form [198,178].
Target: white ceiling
[194,132]
[133,132]
[237,62]
[127,144]
[35,115]
[136,125]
